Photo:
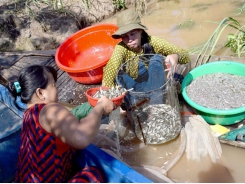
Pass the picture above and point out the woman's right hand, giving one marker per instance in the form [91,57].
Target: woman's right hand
[107,105]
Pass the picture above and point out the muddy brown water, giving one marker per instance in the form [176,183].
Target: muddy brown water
[229,168]
[162,19]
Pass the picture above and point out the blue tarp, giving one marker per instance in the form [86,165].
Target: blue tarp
[10,125]
[114,170]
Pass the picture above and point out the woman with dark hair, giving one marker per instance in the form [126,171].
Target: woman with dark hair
[50,134]
[139,75]
[135,41]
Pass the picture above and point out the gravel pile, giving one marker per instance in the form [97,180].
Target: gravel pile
[218,91]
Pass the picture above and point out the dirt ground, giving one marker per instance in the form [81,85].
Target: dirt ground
[41,26]
[27,25]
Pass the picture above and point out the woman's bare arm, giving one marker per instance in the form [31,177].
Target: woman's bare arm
[56,119]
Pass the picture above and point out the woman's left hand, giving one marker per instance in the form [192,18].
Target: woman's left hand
[173,60]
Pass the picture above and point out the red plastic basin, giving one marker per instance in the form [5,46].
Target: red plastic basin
[84,54]
[93,101]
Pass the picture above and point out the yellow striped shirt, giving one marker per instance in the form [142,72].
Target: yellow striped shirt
[122,54]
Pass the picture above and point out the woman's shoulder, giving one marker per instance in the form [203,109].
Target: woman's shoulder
[35,107]
[121,45]
[120,48]
[155,39]
[53,107]
[31,115]
[53,110]
[159,44]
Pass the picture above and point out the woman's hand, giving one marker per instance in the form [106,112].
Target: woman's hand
[107,105]
[58,120]
[173,60]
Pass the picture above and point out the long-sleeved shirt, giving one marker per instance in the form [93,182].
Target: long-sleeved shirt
[122,54]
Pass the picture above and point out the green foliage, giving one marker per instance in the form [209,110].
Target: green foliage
[57,5]
[86,4]
[235,41]
[139,6]
[119,4]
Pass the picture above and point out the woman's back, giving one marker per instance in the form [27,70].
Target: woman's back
[42,156]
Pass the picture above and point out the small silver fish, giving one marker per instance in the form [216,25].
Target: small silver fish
[110,93]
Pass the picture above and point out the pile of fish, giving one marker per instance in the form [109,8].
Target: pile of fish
[218,91]
[110,93]
[157,124]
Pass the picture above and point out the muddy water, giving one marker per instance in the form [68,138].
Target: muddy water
[162,18]
[229,168]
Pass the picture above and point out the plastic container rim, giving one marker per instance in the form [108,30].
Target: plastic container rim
[205,109]
[95,88]
[74,70]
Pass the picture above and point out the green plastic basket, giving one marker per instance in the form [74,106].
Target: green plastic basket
[215,116]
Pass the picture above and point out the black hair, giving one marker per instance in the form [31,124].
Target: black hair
[145,42]
[31,78]
[145,38]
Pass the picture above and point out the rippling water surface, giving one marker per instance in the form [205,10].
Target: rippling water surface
[188,22]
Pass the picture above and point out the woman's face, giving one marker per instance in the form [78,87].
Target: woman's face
[133,39]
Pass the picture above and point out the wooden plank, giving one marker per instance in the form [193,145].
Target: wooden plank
[7,61]
[71,91]
[3,81]
[79,93]
[199,60]
[53,64]
[214,58]
[21,64]
[13,70]
[27,61]
[50,61]
[16,68]
[236,59]
[40,60]
[30,53]
[233,143]
[66,90]
[9,74]
[205,59]
[62,78]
